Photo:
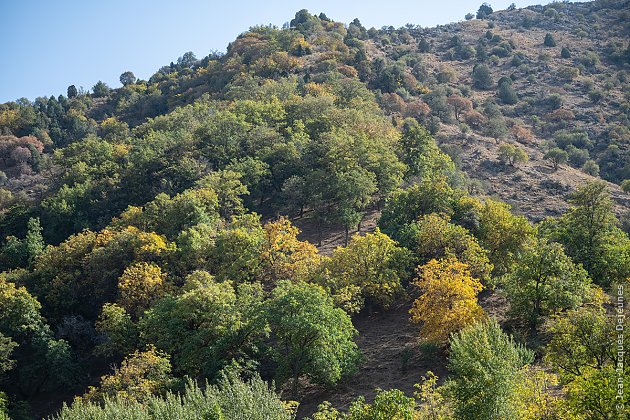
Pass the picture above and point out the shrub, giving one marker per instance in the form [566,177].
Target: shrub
[512,154]
[482,79]
[549,41]
[506,93]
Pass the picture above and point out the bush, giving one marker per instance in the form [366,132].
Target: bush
[592,168]
[506,93]
[482,79]
[557,156]
[565,53]
[484,11]
[512,154]
[549,41]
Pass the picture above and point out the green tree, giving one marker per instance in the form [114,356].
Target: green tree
[312,337]
[512,154]
[40,362]
[544,281]
[100,89]
[392,404]
[484,11]
[404,207]
[557,157]
[482,79]
[121,335]
[581,339]
[486,366]
[433,236]
[595,394]
[506,92]
[565,53]
[549,41]
[421,154]
[590,234]
[127,78]
[206,326]
[72,91]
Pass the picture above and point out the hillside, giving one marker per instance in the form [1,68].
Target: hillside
[338,209]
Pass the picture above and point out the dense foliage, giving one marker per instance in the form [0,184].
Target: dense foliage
[154,228]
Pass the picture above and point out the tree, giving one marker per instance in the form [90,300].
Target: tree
[40,362]
[121,335]
[404,207]
[392,404]
[544,281]
[625,185]
[72,91]
[557,156]
[459,104]
[283,256]
[448,300]
[100,89]
[592,168]
[127,78]
[521,134]
[496,128]
[512,154]
[312,337]
[230,398]
[484,11]
[206,326]
[141,285]
[486,367]
[590,234]
[596,394]
[469,16]
[511,7]
[433,236]
[581,339]
[549,41]
[482,79]
[506,92]
[140,375]
[565,53]
[503,234]
[372,265]
[432,403]
[423,157]
[230,191]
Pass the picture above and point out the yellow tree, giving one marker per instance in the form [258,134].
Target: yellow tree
[140,285]
[372,265]
[448,301]
[284,256]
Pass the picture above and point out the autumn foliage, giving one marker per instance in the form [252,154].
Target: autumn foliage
[448,300]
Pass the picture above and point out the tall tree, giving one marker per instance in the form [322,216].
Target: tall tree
[486,365]
[312,337]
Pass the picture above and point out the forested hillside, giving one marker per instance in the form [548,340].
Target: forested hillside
[324,216]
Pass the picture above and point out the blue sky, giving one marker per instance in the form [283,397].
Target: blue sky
[48,45]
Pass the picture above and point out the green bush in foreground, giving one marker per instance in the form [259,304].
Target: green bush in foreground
[232,398]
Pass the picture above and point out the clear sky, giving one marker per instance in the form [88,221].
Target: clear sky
[47,45]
